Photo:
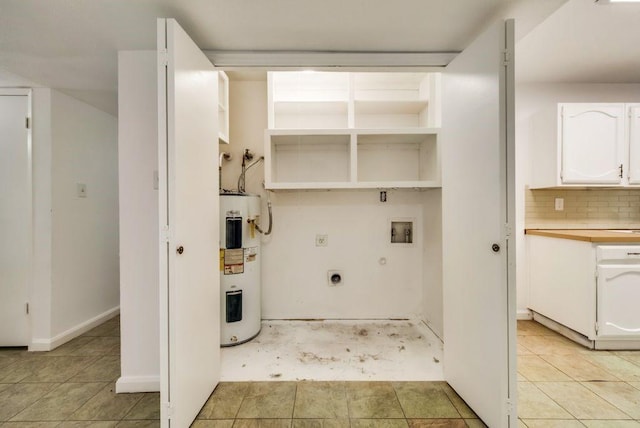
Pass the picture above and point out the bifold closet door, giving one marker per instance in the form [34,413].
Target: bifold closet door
[189,210]
[478,212]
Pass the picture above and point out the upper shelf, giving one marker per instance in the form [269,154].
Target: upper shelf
[329,100]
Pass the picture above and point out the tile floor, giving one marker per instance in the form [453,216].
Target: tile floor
[560,385]
[72,386]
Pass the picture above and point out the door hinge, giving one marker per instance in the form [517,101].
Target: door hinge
[163,57]
[168,408]
[508,406]
[165,234]
[27,123]
[506,57]
[508,230]
[26,308]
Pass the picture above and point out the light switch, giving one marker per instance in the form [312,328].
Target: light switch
[559,204]
[81,190]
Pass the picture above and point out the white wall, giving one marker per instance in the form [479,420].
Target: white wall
[358,227]
[75,268]
[84,230]
[530,98]
[138,160]
[295,270]
[432,260]
[42,257]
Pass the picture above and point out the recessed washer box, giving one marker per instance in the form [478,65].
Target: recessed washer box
[402,231]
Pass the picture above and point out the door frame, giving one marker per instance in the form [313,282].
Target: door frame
[28,92]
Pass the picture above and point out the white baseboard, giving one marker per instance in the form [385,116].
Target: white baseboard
[62,338]
[138,384]
[524,314]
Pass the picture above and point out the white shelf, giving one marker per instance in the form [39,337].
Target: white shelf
[379,107]
[310,114]
[337,130]
[356,159]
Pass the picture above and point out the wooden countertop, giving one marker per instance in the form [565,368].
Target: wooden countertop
[588,235]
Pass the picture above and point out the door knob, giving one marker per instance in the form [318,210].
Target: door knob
[495,248]
[180,249]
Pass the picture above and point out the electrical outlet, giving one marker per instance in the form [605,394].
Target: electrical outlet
[559,204]
[322,240]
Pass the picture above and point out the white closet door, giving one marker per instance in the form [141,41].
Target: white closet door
[478,203]
[189,210]
[15,217]
[633,128]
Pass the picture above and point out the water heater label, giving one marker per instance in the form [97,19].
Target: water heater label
[250,254]
[234,261]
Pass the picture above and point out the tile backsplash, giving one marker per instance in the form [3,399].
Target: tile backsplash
[583,209]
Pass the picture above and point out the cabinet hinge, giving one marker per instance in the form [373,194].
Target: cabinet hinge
[168,408]
[596,327]
[26,123]
[26,308]
[508,406]
[163,57]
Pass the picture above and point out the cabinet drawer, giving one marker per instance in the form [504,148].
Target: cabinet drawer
[628,253]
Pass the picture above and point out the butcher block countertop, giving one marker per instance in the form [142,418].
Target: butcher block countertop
[589,235]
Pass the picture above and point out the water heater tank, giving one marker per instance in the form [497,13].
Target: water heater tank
[239,268]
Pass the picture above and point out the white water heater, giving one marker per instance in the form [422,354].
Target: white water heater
[239,268]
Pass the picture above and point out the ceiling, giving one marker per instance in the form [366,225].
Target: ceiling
[583,42]
[71,45]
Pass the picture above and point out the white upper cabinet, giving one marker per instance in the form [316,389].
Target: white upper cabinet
[338,130]
[583,145]
[633,129]
[592,139]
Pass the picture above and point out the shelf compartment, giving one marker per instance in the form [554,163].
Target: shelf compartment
[387,114]
[311,158]
[398,160]
[309,86]
[310,114]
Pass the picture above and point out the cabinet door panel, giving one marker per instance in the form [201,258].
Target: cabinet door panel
[634,143]
[592,143]
[618,296]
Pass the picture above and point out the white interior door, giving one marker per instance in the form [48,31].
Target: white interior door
[478,205]
[15,217]
[188,199]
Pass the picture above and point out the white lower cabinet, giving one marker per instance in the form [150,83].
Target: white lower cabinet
[591,288]
[618,296]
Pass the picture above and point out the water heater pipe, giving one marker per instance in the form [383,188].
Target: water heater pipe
[224,156]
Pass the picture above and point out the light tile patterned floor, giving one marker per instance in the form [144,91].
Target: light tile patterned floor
[562,384]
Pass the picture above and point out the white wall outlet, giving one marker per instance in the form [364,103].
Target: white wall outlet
[322,240]
[559,204]
[81,190]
